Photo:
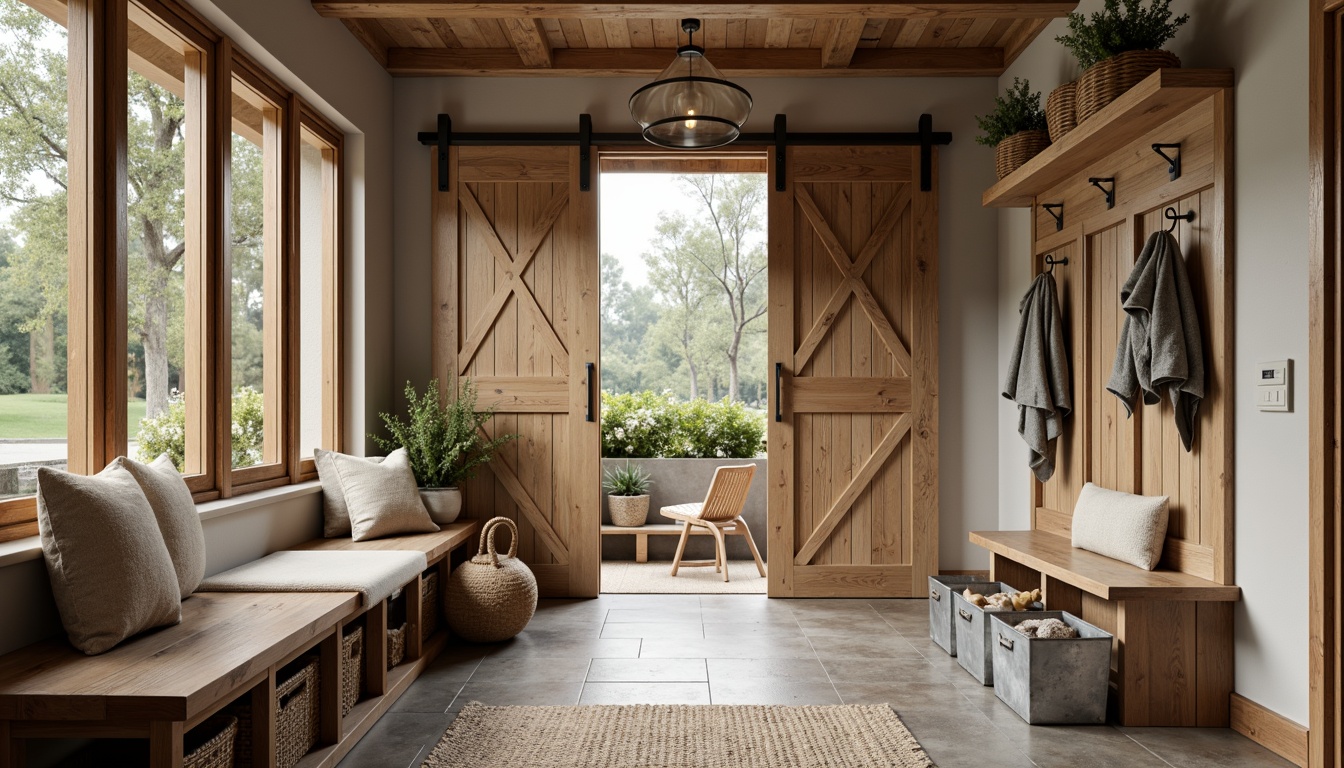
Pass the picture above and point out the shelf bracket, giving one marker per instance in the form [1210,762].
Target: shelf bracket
[585,153]
[1050,208]
[443,139]
[1173,163]
[1109,193]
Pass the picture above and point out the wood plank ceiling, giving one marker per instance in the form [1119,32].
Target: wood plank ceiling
[971,38]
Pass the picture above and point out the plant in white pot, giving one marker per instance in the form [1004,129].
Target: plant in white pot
[627,490]
[445,443]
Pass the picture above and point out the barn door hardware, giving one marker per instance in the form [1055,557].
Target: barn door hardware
[443,137]
[779,391]
[588,406]
[1173,163]
[585,152]
[1109,193]
[781,143]
[1050,208]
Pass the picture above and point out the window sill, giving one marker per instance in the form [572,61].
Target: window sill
[30,548]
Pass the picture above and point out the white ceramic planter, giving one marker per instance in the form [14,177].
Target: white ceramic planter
[444,504]
[629,511]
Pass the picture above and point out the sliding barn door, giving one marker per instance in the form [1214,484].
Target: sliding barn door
[515,265]
[853,436]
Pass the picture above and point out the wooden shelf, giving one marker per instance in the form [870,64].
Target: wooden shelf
[1162,96]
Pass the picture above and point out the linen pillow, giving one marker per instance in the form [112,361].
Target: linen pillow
[1123,526]
[175,510]
[110,570]
[382,499]
[335,516]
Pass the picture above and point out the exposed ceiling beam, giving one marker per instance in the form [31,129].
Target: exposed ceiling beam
[530,40]
[838,49]
[1017,42]
[737,62]
[807,9]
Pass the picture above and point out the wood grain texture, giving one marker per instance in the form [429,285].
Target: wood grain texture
[1270,730]
[1048,9]
[435,545]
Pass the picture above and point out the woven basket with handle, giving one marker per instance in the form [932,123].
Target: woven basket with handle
[1061,113]
[216,750]
[1013,152]
[352,669]
[491,597]
[1108,80]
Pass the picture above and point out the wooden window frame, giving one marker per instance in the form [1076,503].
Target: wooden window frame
[103,40]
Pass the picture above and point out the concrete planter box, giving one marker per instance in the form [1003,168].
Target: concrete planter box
[679,481]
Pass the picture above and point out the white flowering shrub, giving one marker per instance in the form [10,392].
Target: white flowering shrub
[167,432]
[648,425]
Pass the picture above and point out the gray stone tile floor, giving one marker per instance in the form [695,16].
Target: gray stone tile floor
[747,649]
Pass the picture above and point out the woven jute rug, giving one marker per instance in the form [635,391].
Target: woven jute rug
[678,736]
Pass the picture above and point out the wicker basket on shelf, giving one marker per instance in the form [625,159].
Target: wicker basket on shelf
[219,732]
[352,669]
[396,645]
[296,715]
[1061,113]
[1013,152]
[429,605]
[1108,80]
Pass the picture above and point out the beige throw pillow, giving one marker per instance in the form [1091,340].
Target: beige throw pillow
[1123,526]
[110,570]
[170,498]
[382,499]
[335,517]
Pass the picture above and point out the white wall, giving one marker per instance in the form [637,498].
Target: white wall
[1266,42]
[968,294]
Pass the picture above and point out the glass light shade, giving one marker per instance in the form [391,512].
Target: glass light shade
[690,105]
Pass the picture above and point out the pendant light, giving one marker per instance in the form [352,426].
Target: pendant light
[690,105]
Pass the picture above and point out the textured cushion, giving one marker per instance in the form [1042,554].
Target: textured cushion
[175,510]
[382,499]
[335,517]
[110,570]
[689,510]
[1123,526]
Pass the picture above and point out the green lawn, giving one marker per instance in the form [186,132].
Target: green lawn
[32,416]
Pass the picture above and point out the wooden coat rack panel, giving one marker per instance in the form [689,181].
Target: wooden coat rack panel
[1099,444]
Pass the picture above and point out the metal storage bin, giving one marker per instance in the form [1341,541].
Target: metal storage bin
[942,619]
[973,648]
[1051,681]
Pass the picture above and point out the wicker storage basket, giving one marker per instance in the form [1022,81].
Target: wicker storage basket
[491,598]
[352,669]
[1061,113]
[628,511]
[216,751]
[296,715]
[429,604]
[396,645]
[1013,152]
[1108,80]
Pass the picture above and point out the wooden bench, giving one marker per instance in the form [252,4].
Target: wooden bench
[643,532]
[228,646]
[1172,658]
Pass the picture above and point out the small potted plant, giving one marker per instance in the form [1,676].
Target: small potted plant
[1119,46]
[627,490]
[444,442]
[1016,128]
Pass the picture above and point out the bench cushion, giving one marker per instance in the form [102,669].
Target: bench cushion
[375,575]
[110,570]
[175,510]
[1123,526]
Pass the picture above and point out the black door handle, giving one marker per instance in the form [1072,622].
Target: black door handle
[588,406]
[779,404]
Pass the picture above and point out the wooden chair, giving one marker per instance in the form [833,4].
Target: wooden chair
[721,514]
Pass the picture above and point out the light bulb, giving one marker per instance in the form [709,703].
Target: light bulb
[690,124]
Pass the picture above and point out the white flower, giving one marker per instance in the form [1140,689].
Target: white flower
[629,449]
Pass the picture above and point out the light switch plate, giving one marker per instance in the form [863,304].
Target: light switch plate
[1273,374]
[1274,386]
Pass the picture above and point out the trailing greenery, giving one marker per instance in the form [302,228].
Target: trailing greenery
[444,441]
[1122,25]
[647,425]
[630,480]
[1016,111]
[167,432]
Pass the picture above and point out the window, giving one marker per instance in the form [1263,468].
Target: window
[193,306]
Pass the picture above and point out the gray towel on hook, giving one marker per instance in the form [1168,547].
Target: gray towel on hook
[1038,374]
[1160,350]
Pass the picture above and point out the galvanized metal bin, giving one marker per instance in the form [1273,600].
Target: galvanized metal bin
[1051,681]
[942,619]
[973,651]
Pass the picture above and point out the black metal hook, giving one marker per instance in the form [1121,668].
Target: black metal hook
[1109,193]
[1175,217]
[1173,163]
[1058,217]
[1051,262]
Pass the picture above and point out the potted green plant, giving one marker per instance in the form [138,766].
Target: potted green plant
[1016,128]
[1117,47]
[627,490]
[445,444]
